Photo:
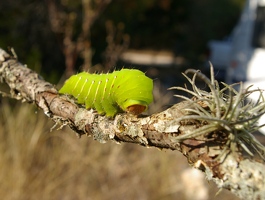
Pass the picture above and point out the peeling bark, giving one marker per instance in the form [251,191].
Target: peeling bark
[241,174]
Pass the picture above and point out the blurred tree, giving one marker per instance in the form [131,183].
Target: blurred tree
[74,31]
[53,35]
[25,26]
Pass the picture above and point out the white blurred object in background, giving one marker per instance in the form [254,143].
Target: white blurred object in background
[194,184]
[259,85]
[244,52]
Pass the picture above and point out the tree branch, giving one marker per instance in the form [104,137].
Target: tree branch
[171,129]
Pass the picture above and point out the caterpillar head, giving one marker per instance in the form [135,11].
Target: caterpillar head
[134,91]
[135,107]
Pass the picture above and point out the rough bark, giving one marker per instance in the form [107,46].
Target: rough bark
[241,174]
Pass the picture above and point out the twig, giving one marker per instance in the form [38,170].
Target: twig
[217,152]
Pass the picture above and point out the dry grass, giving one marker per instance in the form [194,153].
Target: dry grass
[39,164]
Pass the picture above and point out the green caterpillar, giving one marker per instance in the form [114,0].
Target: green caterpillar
[128,90]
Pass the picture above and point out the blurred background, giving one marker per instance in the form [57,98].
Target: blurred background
[58,38]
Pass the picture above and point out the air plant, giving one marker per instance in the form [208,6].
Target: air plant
[223,110]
